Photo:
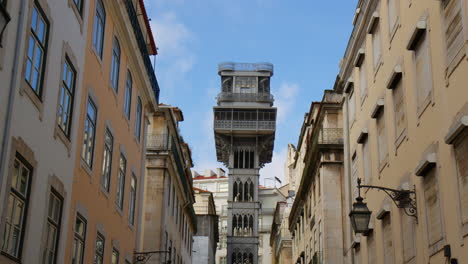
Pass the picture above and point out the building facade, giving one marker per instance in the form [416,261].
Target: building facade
[244,126]
[217,183]
[119,90]
[41,73]
[405,115]
[169,222]
[315,220]
[280,237]
[205,241]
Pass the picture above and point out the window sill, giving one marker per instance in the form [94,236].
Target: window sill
[114,92]
[96,55]
[382,165]
[363,98]
[86,168]
[26,89]
[437,246]
[377,67]
[451,66]
[399,140]
[58,132]
[118,210]
[7,258]
[104,191]
[394,31]
[424,106]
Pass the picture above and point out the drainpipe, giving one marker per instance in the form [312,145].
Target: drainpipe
[348,170]
[11,94]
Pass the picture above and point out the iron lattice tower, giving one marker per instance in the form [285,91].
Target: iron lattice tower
[244,127]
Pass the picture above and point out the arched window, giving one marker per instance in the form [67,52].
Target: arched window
[234,191]
[251,191]
[234,224]
[115,65]
[99,25]
[241,191]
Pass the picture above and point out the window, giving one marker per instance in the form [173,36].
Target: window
[371,254]
[432,202]
[115,65]
[389,256]
[453,28]
[133,192]
[461,157]
[244,159]
[245,84]
[381,138]
[128,95]
[354,176]
[423,72]
[392,15]
[79,5]
[35,60]
[107,160]
[99,24]
[366,160]
[363,80]
[376,46]
[67,92]
[79,240]
[115,256]
[121,181]
[99,250]
[89,133]
[54,216]
[408,233]
[15,219]
[138,119]
[399,108]
[352,108]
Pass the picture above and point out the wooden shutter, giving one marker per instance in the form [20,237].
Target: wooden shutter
[432,200]
[363,80]
[423,71]
[388,240]
[408,234]
[453,28]
[461,157]
[399,108]
[381,137]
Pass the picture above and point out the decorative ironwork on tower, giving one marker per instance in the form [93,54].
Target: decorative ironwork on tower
[244,127]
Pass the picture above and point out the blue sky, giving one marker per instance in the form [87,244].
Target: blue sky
[304,39]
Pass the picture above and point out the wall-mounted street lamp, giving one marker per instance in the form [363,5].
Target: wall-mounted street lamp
[4,19]
[360,215]
[143,257]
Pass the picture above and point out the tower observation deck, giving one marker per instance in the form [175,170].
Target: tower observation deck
[244,128]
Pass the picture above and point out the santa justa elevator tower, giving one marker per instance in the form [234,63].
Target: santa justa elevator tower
[244,127]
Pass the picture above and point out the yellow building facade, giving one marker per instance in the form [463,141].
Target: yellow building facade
[119,90]
[404,78]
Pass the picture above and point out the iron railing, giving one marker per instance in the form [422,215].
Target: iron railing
[157,141]
[330,136]
[245,97]
[244,124]
[142,47]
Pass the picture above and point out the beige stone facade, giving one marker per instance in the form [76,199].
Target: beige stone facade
[205,241]
[315,220]
[169,222]
[280,237]
[404,78]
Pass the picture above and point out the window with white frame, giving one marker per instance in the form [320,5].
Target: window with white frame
[376,45]
[99,27]
[138,117]
[115,65]
[121,181]
[79,5]
[352,108]
[18,198]
[37,49]
[87,151]
[67,92]
[132,204]
[107,160]
[128,95]
[99,249]
[363,79]
[54,215]
[79,240]
[399,107]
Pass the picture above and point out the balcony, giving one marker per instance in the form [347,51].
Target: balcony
[231,66]
[157,141]
[245,97]
[244,125]
[327,136]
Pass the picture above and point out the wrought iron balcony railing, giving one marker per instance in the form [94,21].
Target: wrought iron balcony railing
[330,136]
[142,47]
[245,97]
[244,124]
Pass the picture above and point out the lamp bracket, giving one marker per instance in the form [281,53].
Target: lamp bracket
[405,199]
[144,256]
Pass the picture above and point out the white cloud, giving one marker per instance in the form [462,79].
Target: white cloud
[285,98]
[174,59]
